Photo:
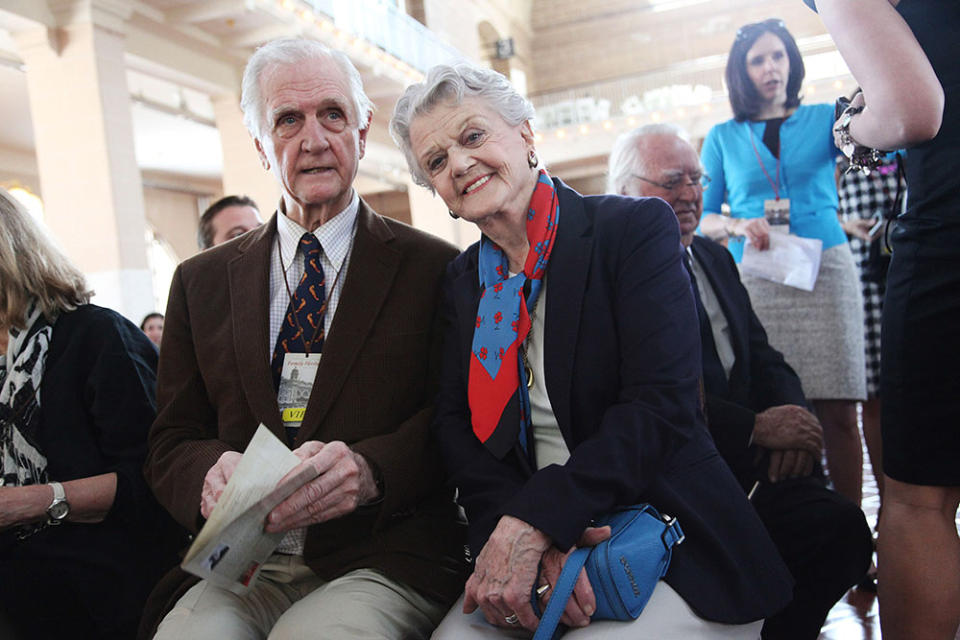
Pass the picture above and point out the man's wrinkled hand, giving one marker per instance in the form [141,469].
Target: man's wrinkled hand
[216,481]
[789,463]
[344,481]
[788,426]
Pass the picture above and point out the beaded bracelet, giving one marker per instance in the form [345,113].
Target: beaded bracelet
[861,158]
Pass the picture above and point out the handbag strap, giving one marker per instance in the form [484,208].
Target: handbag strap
[561,593]
[672,534]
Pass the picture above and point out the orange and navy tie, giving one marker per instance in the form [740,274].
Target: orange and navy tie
[302,328]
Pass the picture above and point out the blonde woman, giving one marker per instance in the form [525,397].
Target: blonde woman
[81,538]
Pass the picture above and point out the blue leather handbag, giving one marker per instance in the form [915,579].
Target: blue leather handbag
[623,570]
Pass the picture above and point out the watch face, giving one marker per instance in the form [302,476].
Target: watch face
[59,511]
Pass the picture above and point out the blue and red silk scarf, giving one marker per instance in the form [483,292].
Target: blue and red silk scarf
[497,387]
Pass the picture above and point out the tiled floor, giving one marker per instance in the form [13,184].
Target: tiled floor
[856,616]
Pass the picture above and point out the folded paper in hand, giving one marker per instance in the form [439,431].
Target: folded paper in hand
[790,260]
[232,545]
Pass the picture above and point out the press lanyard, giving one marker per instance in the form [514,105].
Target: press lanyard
[775,185]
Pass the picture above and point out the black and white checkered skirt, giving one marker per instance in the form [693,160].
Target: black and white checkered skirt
[870,197]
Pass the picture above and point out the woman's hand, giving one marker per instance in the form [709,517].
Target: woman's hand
[502,579]
[582,603]
[757,231]
[858,228]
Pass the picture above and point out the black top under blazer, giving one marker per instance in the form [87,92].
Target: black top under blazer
[622,362]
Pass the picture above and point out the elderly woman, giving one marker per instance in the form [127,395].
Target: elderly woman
[81,538]
[558,408]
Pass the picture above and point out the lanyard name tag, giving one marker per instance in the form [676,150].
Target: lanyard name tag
[777,212]
[296,381]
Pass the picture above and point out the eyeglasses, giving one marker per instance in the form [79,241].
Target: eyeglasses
[771,23]
[695,180]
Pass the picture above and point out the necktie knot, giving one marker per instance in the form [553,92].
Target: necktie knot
[309,244]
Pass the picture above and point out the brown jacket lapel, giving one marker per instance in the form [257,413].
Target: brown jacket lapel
[249,275]
[373,267]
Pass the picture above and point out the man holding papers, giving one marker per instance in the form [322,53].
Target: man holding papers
[319,325]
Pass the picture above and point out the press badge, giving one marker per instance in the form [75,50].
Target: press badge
[296,381]
[777,212]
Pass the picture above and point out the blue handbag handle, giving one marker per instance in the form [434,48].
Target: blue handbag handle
[561,593]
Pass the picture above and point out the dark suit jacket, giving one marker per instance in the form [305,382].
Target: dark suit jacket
[622,362]
[374,390]
[759,379]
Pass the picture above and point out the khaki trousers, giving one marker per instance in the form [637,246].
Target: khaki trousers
[290,602]
[666,617]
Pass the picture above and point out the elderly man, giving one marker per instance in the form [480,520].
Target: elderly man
[227,218]
[374,547]
[754,402]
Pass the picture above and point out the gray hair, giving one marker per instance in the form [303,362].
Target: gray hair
[626,159]
[291,51]
[452,84]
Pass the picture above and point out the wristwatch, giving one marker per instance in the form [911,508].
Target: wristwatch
[59,508]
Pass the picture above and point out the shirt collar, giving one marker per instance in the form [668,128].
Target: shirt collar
[335,234]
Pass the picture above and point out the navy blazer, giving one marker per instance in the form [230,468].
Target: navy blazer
[622,362]
[759,379]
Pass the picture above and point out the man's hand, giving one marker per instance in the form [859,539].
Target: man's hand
[583,602]
[345,481]
[788,427]
[216,481]
[789,463]
[503,576]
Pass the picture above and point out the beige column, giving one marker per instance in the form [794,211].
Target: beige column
[89,179]
[242,172]
[430,214]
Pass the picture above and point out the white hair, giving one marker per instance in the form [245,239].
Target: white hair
[291,51]
[626,159]
[452,84]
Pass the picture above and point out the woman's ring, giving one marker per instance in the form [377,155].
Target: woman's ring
[542,589]
[512,619]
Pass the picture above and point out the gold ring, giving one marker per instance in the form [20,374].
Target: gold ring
[542,589]
[512,619]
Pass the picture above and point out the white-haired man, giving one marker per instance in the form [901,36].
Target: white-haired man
[755,407]
[373,546]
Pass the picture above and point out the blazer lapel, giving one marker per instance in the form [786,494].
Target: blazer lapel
[566,285]
[370,275]
[722,289]
[249,281]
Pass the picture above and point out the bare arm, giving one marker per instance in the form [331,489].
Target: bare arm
[888,63]
[90,500]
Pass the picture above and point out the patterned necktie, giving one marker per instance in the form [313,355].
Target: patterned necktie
[302,328]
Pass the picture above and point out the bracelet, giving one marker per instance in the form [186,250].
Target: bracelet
[861,158]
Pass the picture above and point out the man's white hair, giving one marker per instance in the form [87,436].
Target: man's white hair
[626,158]
[291,51]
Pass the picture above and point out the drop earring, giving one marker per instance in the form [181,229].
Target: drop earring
[452,214]
[532,158]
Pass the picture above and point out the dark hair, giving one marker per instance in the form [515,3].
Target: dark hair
[745,100]
[205,232]
[147,318]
